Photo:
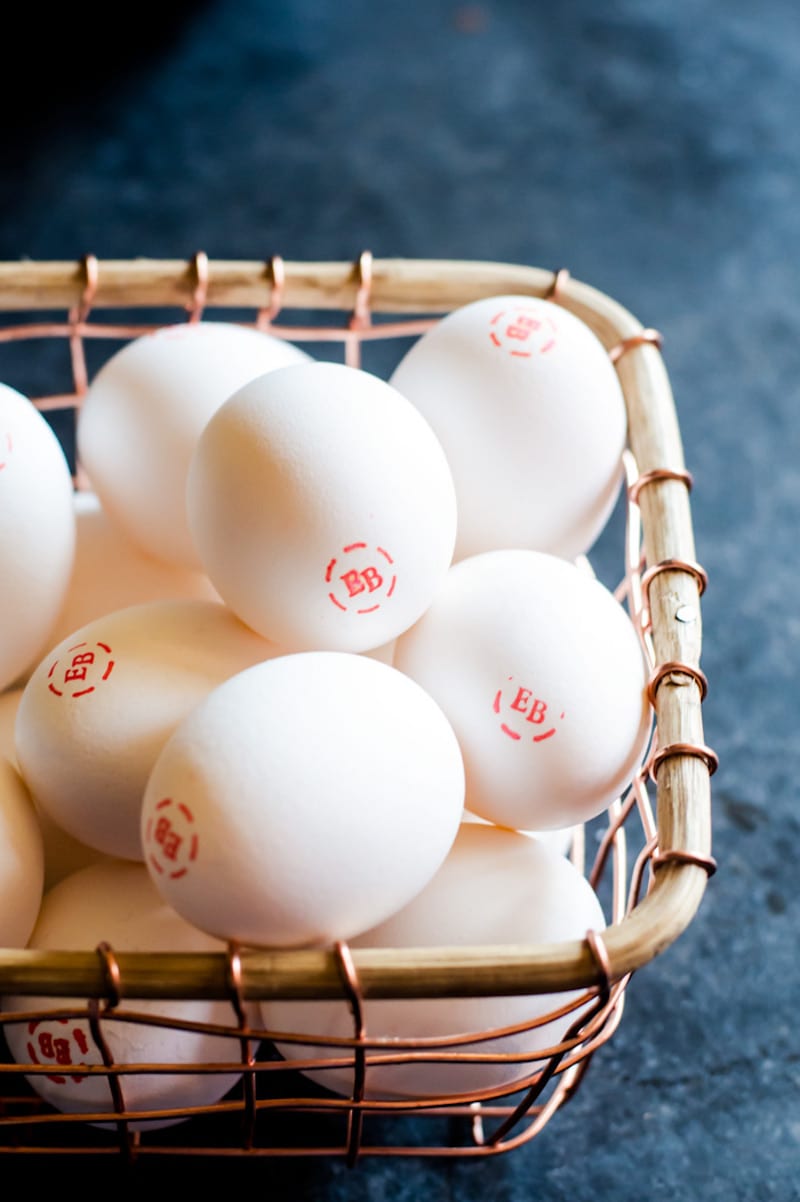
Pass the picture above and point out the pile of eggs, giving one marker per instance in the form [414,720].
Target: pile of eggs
[316,658]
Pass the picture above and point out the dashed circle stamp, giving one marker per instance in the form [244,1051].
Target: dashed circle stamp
[520,709]
[360,578]
[522,332]
[170,839]
[61,1043]
[80,670]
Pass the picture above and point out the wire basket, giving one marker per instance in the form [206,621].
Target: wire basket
[649,854]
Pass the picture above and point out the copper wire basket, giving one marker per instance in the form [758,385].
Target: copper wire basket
[649,858]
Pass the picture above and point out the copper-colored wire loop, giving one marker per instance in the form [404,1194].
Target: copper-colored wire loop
[111,974]
[601,958]
[560,278]
[669,565]
[91,271]
[647,337]
[667,669]
[685,857]
[657,473]
[355,1118]
[276,272]
[233,979]
[361,315]
[199,269]
[700,750]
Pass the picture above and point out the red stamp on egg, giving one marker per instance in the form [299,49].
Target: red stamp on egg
[524,716]
[360,578]
[522,332]
[6,447]
[80,670]
[170,839]
[60,1042]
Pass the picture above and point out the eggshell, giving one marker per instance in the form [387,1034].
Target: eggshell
[112,572]
[303,800]
[560,838]
[496,887]
[21,859]
[322,507]
[62,853]
[37,533]
[144,411]
[541,672]
[9,704]
[115,902]
[529,409]
[100,706]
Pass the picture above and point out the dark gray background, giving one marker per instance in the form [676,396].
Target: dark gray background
[654,151]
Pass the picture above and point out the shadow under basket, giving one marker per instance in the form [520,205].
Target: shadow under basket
[648,856]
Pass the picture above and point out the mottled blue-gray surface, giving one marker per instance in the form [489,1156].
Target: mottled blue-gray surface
[654,151]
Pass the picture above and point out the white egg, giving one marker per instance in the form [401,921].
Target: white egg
[322,507]
[303,800]
[9,704]
[111,572]
[100,706]
[144,411]
[21,859]
[559,838]
[62,853]
[542,674]
[37,533]
[496,887]
[115,902]
[528,407]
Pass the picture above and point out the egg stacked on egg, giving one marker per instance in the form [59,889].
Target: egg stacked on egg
[315,661]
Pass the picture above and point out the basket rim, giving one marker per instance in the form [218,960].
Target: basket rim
[434,286]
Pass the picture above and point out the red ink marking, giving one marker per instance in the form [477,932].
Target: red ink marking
[524,701]
[169,843]
[81,672]
[47,1047]
[9,448]
[356,576]
[546,735]
[522,332]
